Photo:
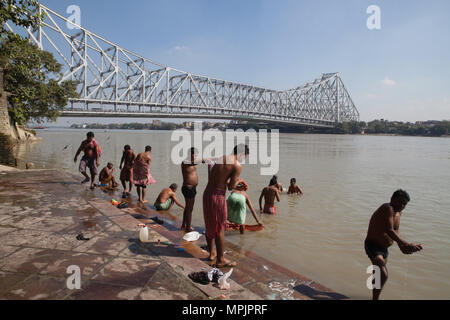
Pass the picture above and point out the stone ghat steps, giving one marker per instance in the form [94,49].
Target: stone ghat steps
[260,276]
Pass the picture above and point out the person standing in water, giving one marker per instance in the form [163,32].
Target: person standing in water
[141,173]
[225,173]
[383,231]
[269,194]
[294,188]
[126,173]
[90,159]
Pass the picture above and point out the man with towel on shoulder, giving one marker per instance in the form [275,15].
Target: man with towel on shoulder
[141,173]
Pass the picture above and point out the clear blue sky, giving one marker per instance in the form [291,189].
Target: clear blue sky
[401,72]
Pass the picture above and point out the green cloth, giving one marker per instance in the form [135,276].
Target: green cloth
[236,208]
[163,206]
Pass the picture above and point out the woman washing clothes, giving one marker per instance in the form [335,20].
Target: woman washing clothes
[237,203]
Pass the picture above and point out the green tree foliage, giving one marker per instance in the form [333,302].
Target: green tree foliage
[30,74]
[20,12]
[427,128]
[30,79]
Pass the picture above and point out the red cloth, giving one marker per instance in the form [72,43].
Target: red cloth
[141,174]
[231,226]
[270,209]
[214,211]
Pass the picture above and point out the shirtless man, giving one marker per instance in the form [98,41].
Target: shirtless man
[269,194]
[383,231]
[126,173]
[141,173]
[189,189]
[106,176]
[225,173]
[90,159]
[294,188]
[274,181]
[167,198]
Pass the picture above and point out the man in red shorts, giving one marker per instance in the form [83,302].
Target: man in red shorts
[225,173]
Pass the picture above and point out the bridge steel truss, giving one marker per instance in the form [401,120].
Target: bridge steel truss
[113,81]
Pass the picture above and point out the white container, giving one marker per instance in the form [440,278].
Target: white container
[143,233]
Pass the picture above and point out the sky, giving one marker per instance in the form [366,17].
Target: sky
[399,72]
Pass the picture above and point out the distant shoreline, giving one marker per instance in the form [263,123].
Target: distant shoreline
[306,133]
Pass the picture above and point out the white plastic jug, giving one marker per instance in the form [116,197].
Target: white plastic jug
[143,233]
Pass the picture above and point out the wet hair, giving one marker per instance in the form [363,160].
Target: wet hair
[90,134]
[273,181]
[401,194]
[193,151]
[148,148]
[173,186]
[294,180]
[127,147]
[241,148]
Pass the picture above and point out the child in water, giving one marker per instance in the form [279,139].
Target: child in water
[294,188]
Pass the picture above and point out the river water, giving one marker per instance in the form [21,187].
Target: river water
[319,234]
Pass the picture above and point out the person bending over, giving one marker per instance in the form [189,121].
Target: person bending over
[167,198]
[237,203]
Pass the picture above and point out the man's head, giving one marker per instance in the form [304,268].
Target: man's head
[399,200]
[174,187]
[273,181]
[148,149]
[127,147]
[193,153]
[90,136]
[110,165]
[241,152]
[293,181]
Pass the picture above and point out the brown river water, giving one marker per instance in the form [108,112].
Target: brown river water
[319,234]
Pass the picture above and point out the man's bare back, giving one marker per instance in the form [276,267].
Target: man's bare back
[128,157]
[378,231]
[270,194]
[165,195]
[225,174]
[144,157]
